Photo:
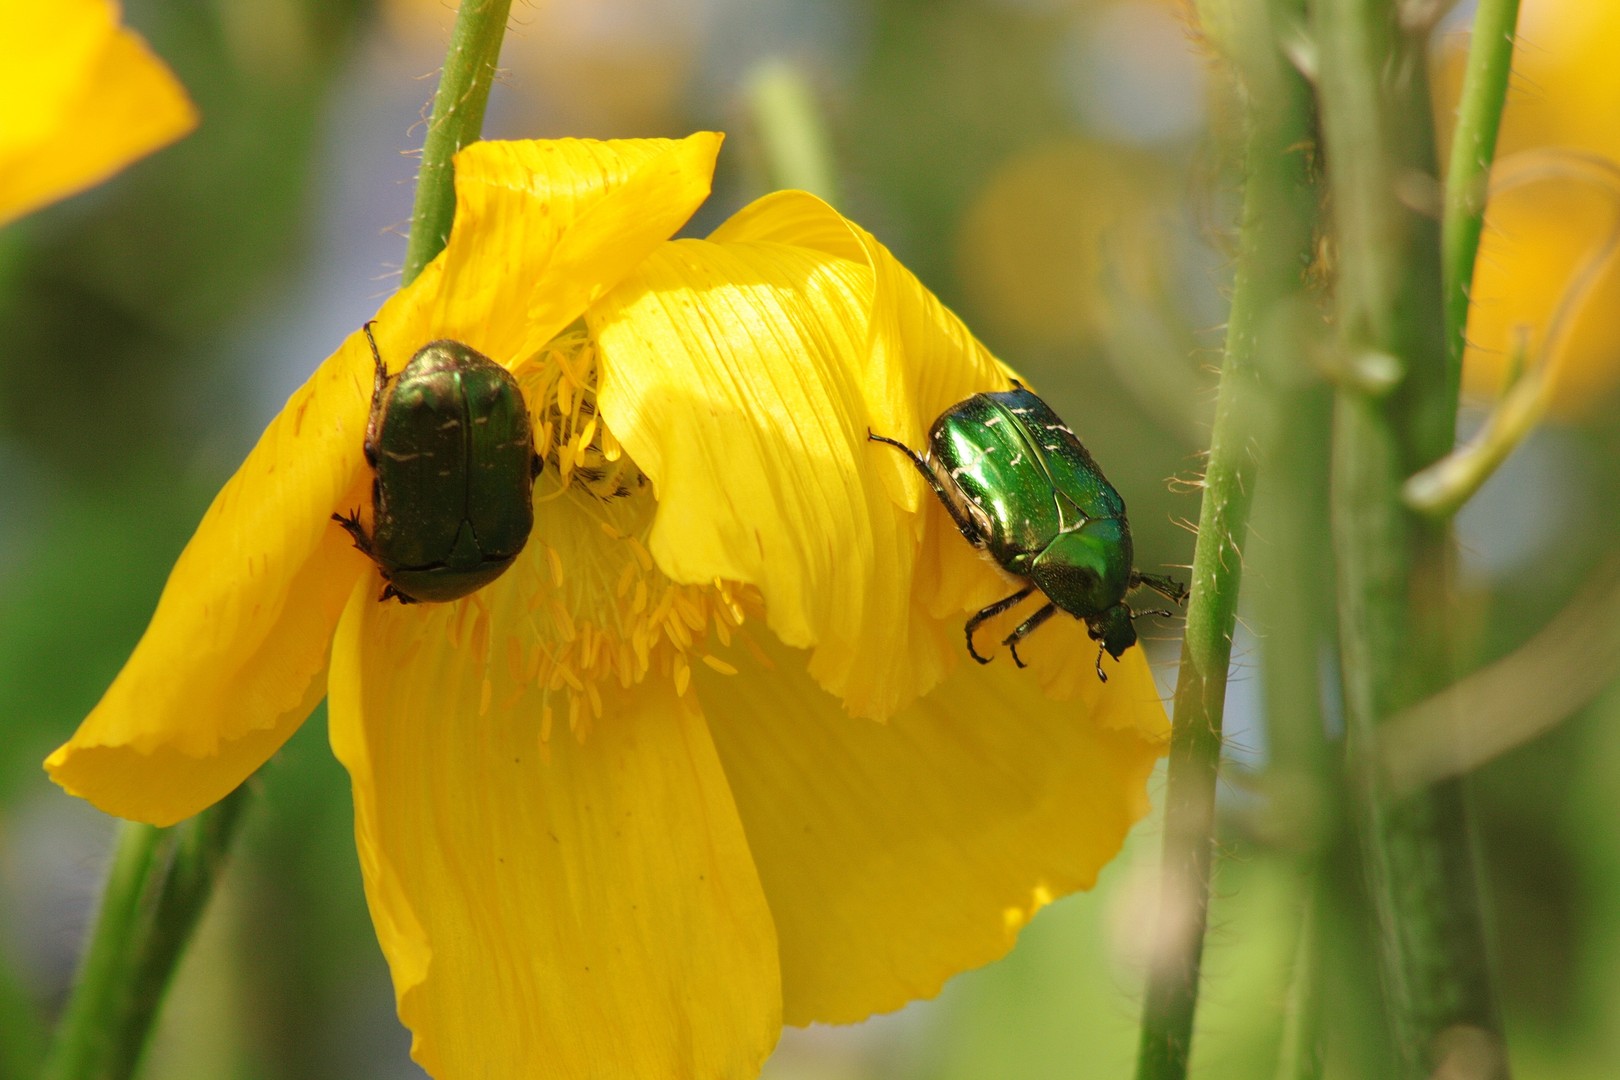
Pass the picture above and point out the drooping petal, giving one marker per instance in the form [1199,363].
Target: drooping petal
[730,374]
[86,97]
[896,855]
[232,661]
[581,909]
[783,340]
[235,655]
[544,228]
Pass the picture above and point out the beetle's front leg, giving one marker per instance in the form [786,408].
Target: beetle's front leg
[989,613]
[1024,629]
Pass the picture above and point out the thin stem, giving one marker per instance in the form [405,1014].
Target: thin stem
[791,130]
[159,884]
[1473,148]
[457,119]
[1274,250]
[1394,566]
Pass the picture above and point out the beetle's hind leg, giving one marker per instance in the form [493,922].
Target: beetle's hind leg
[989,613]
[1101,674]
[1024,629]
[1166,586]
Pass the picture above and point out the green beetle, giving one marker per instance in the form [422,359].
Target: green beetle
[452,448]
[1022,488]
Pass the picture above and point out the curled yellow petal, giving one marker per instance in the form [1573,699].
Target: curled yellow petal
[579,907]
[897,855]
[86,97]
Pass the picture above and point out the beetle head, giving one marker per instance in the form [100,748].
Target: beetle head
[1114,629]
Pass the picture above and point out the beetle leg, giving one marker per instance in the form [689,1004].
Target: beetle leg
[1101,674]
[1024,628]
[989,613]
[1165,586]
[390,592]
[351,525]
[964,523]
[379,390]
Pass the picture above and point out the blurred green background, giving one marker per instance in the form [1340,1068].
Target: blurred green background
[1059,171]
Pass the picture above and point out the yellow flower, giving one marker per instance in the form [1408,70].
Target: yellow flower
[612,813]
[1564,97]
[84,97]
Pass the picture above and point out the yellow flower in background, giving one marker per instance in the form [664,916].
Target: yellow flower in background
[1565,95]
[84,98]
[613,812]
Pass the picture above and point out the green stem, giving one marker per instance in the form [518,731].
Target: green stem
[791,130]
[1274,251]
[1473,148]
[160,882]
[457,119]
[1394,566]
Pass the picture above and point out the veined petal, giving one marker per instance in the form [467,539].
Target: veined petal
[578,909]
[233,658]
[731,375]
[96,99]
[896,855]
[783,340]
[235,654]
[544,228]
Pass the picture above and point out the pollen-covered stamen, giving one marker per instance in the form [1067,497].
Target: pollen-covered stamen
[569,435]
[590,608]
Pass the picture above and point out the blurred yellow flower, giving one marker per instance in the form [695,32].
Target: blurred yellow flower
[613,814]
[1565,94]
[84,98]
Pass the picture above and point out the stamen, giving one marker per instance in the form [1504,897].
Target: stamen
[596,609]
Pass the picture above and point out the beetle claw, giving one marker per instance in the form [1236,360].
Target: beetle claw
[975,652]
[1012,647]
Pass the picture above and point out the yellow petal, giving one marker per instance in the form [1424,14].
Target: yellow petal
[742,374]
[544,228]
[578,910]
[895,855]
[87,97]
[232,660]
[729,375]
[235,654]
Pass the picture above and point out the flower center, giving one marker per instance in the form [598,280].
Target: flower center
[594,608]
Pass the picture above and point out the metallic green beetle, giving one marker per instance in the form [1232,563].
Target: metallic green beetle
[1020,487]
[452,448]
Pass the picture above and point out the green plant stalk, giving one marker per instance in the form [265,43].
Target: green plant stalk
[159,885]
[1418,852]
[456,120]
[1274,252]
[161,878]
[791,130]
[1473,148]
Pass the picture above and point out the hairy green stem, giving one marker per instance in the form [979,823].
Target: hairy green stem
[158,887]
[457,119]
[1473,148]
[1394,566]
[1274,250]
